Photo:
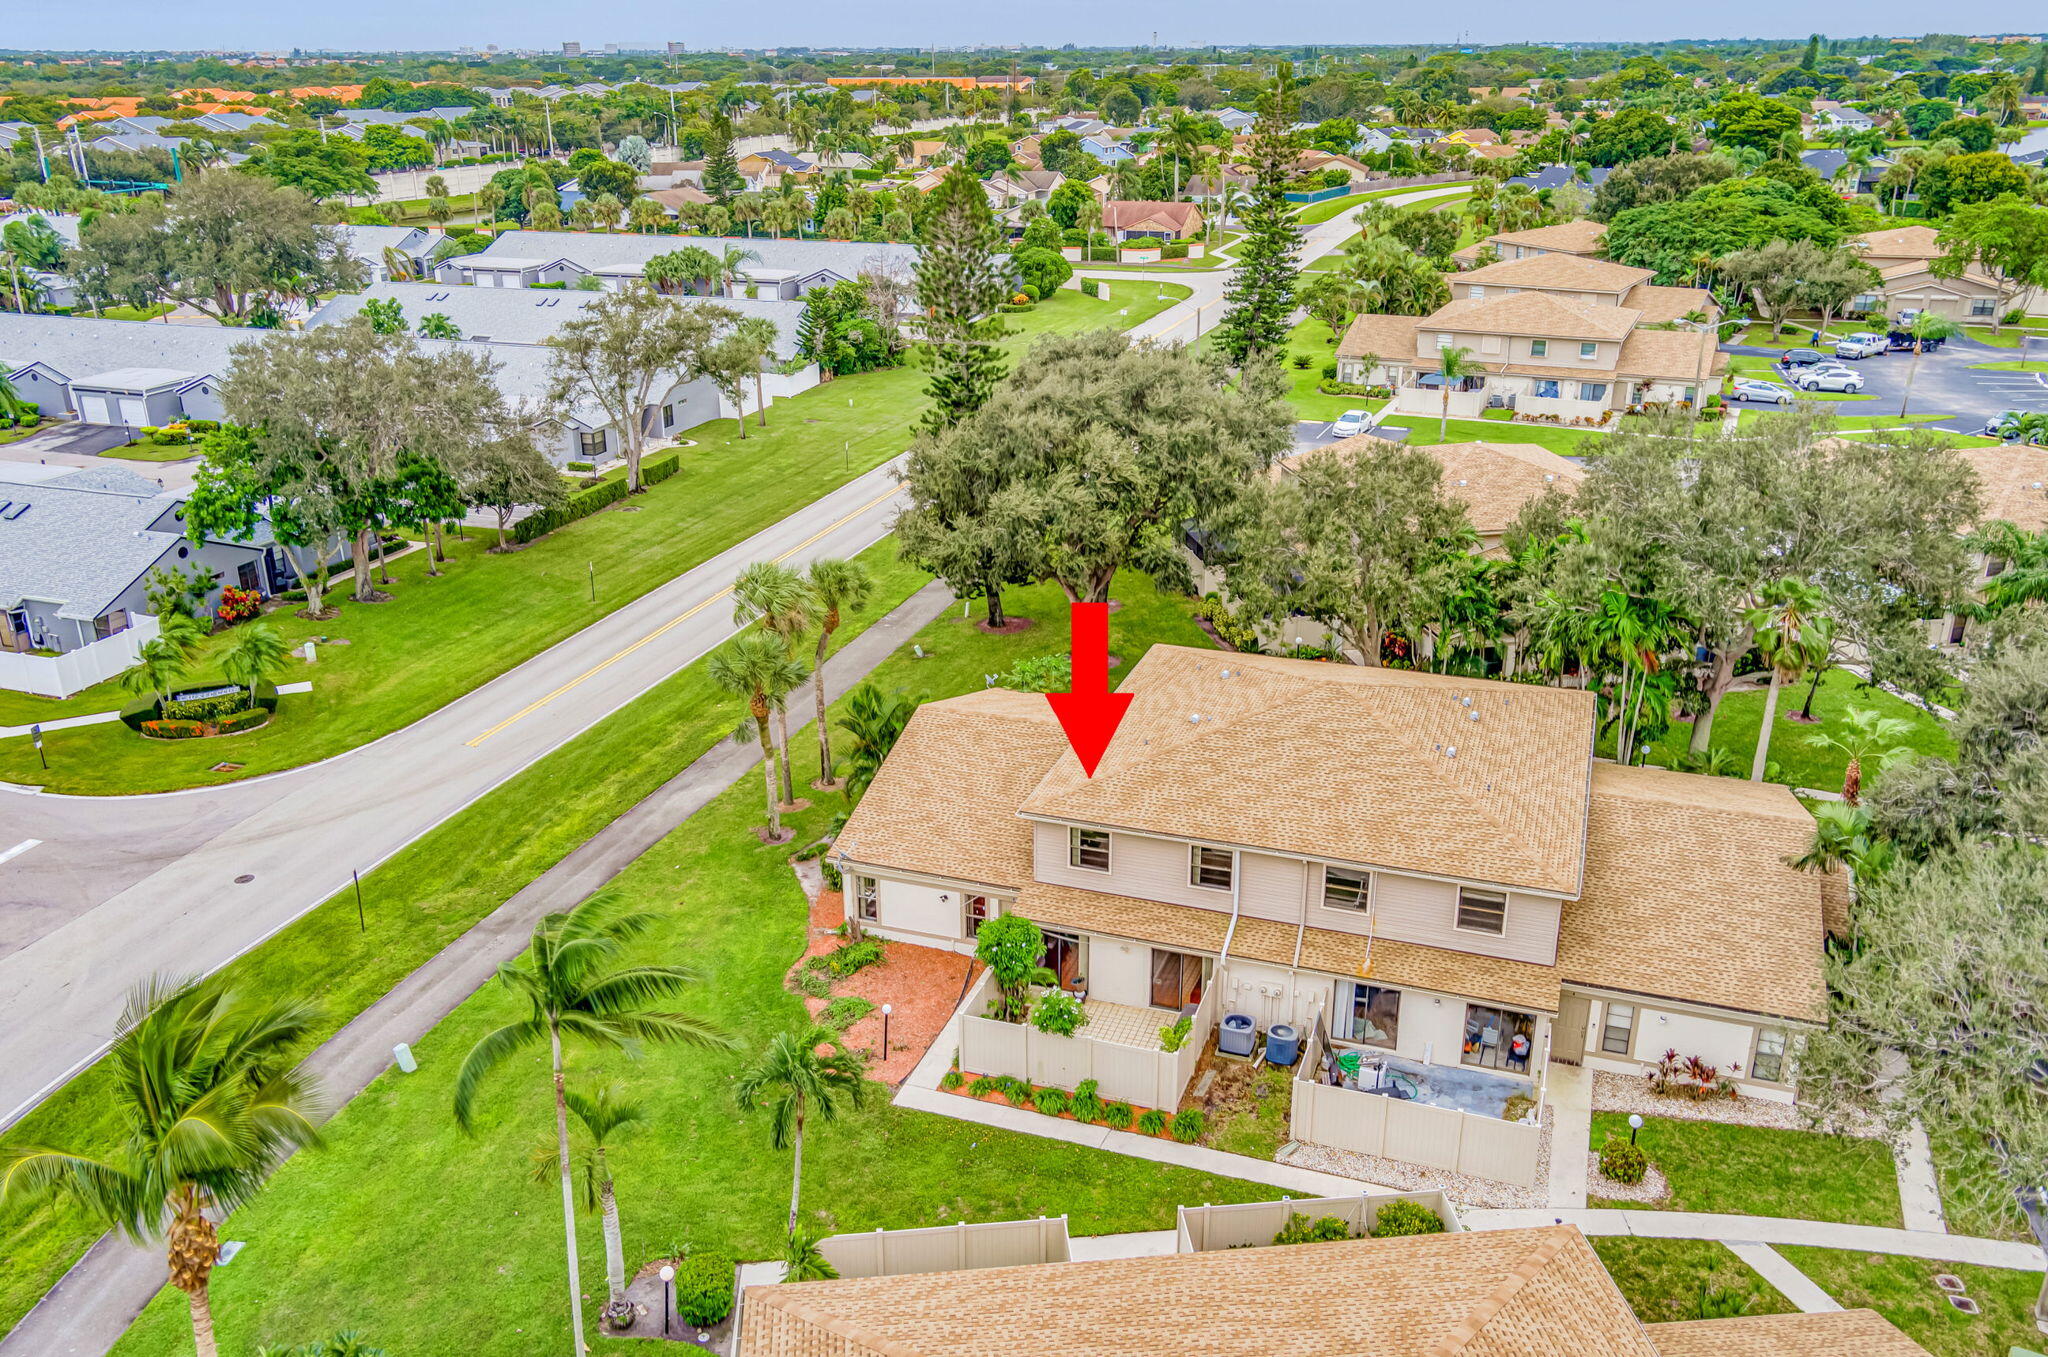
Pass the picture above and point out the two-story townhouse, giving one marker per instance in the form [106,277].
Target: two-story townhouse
[1547,344]
[1583,238]
[2013,480]
[1435,872]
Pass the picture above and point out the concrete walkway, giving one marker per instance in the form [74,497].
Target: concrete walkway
[1919,1188]
[1790,1282]
[1569,1091]
[95,1302]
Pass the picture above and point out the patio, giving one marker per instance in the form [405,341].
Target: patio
[1123,1024]
[1451,1086]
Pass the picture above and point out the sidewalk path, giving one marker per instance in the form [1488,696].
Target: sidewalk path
[95,1302]
[1569,1089]
[1819,1234]
[1790,1282]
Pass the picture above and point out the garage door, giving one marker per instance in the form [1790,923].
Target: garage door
[134,411]
[93,410]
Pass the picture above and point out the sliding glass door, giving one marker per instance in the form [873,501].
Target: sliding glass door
[1176,980]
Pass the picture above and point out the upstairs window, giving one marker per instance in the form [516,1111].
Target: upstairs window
[1482,911]
[1210,868]
[1088,849]
[1344,888]
[1539,348]
[1589,350]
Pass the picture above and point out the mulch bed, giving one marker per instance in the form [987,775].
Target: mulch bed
[1011,625]
[922,986]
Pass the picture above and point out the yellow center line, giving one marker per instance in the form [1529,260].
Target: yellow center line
[670,625]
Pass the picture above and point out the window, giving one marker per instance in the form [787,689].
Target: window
[1592,391]
[1443,341]
[1769,1064]
[1482,911]
[1088,848]
[1617,1028]
[1371,1016]
[668,416]
[1176,980]
[1539,348]
[1589,350]
[867,898]
[591,445]
[979,910]
[1498,1038]
[1346,889]
[1546,388]
[245,575]
[1983,306]
[1210,868]
[1867,301]
[1477,293]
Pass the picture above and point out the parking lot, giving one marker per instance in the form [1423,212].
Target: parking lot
[1947,382]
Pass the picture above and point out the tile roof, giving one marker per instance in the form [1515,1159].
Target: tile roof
[1833,1333]
[1395,756]
[1688,895]
[1569,237]
[1530,1293]
[1533,313]
[1558,270]
[2014,481]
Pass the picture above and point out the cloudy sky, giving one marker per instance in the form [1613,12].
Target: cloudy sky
[387,24]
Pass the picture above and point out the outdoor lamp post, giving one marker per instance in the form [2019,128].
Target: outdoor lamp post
[668,1277]
[1635,1124]
[886,1010]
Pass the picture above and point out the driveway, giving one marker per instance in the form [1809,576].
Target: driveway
[1947,382]
[69,439]
[1316,433]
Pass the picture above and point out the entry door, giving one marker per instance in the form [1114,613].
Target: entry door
[1176,979]
[1568,1033]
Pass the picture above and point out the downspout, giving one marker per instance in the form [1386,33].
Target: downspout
[1236,887]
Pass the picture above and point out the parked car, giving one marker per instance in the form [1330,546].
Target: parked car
[1349,423]
[1750,389]
[1861,345]
[1830,378]
[1799,358]
[1998,425]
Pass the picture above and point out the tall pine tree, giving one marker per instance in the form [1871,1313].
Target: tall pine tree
[722,178]
[1260,297]
[1806,63]
[960,286]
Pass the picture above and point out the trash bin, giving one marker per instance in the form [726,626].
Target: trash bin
[1238,1035]
[1283,1044]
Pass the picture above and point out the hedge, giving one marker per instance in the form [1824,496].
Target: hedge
[584,503]
[242,720]
[704,1288]
[173,730]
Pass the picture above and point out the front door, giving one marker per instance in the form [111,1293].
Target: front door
[1568,1033]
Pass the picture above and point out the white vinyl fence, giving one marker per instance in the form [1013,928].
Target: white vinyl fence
[948,1248]
[1414,1133]
[76,670]
[1131,1074]
[1205,1229]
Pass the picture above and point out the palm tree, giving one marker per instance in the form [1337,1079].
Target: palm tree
[732,262]
[1926,327]
[1183,141]
[803,1260]
[782,216]
[603,1115]
[253,655]
[1783,626]
[836,585]
[759,334]
[644,215]
[782,600]
[398,266]
[1456,366]
[2023,577]
[795,1082]
[577,987]
[166,658]
[1865,736]
[873,722]
[756,667]
[436,325]
[206,1080]
[1842,838]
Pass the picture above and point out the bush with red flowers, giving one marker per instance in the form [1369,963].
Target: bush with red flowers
[238,605]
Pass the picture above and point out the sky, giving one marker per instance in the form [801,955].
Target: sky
[141,25]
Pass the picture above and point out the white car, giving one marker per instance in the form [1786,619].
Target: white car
[1349,423]
[1750,389]
[1831,378]
[1862,345]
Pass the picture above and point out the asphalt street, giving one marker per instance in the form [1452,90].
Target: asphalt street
[121,888]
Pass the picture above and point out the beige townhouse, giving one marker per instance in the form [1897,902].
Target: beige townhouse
[2013,480]
[1563,338]
[1582,238]
[1433,874]
[1904,256]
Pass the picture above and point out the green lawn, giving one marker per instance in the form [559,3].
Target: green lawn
[1563,441]
[1312,338]
[1801,764]
[150,312]
[2015,365]
[1331,207]
[1849,423]
[440,638]
[1756,1171]
[1663,1278]
[1903,1291]
[420,900]
[2010,337]
[343,1238]
[150,452]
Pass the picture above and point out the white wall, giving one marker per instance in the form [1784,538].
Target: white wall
[1719,1042]
[76,670]
[1119,972]
[909,908]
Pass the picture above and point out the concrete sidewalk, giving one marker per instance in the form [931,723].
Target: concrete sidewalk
[1819,1234]
[95,1302]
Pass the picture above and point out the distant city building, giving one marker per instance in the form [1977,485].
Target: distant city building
[572,49]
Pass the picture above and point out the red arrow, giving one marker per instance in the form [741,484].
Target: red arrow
[1090,713]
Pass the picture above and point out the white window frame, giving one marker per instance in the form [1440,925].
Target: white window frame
[1588,349]
[1756,1054]
[867,899]
[1075,848]
[1627,1029]
[1196,866]
[1481,897]
[1983,306]
[1364,905]
[970,921]
[1539,348]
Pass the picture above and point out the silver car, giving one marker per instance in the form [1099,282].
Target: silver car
[1830,377]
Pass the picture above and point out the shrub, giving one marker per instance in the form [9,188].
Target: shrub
[173,730]
[1051,1101]
[1152,1122]
[1302,360]
[1174,249]
[1175,1035]
[207,709]
[1029,293]
[1086,1103]
[579,466]
[1188,1125]
[1090,288]
[1016,1090]
[1330,371]
[1059,1014]
[238,605]
[587,502]
[814,982]
[833,879]
[1299,1229]
[704,1289]
[844,960]
[985,1085]
[1117,1116]
[951,1080]
[1405,1218]
[845,1011]
[1623,1162]
[241,720]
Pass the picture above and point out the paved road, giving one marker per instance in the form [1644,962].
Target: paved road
[87,1312]
[120,888]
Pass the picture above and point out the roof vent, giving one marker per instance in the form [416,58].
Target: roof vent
[1550,475]
[1226,673]
[1473,715]
[1465,701]
[1451,753]
[1194,718]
